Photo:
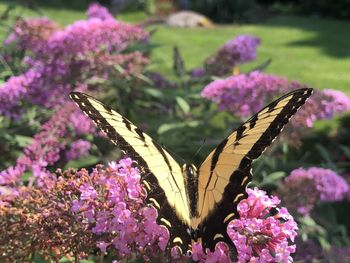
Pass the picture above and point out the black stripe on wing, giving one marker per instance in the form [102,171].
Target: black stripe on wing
[214,227]
[156,196]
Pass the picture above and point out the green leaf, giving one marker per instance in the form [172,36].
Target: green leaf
[90,260]
[178,125]
[178,63]
[324,153]
[324,242]
[285,148]
[26,176]
[262,66]
[308,221]
[82,162]
[273,177]
[192,124]
[144,78]
[156,93]
[182,103]
[142,47]
[346,150]
[96,81]
[165,127]
[22,140]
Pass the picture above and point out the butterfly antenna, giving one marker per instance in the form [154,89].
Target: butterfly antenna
[174,154]
[199,149]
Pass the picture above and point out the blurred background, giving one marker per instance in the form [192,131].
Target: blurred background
[188,72]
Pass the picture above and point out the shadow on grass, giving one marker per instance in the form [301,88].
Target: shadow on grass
[331,36]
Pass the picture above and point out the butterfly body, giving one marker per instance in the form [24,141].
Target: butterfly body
[196,204]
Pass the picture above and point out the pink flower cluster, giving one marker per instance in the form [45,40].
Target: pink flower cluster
[330,185]
[322,105]
[235,51]
[95,10]
[94,35]
[241,49]
[311,251]
[245,94]
[106,209]
[312,184]
[78,148]
[11,93]
[62,59]
[32,34]
[260,236]
[112,205]
[48,145]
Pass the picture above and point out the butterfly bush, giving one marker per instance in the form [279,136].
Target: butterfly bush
[245,94]
[105,211]
[11,94]
[312,184]
[95,10]
[81,213]
[235,51]
[311,251]
[78,148]
[61,59]
[160,81]
[260,236]
[31,35]
[55,138]
[322,105]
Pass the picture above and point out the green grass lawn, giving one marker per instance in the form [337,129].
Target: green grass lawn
[312,50]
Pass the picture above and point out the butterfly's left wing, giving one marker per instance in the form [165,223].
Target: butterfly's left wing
[162,176]
[225,173]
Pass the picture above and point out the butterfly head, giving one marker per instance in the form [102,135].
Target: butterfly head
[190,171]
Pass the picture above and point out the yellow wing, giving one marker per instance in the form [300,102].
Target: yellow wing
[225,173]
[164,181]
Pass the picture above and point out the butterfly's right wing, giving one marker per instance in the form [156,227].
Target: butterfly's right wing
[163,178]
[225,173]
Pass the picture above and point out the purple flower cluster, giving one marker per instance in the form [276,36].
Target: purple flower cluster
[48,145]
[308,250]
[322,105]
[338,102]
[78,148]
[107,210]
[312,184]
[241,49]
[95,10]
[11,93]
[244,94]
[32,34]
[257,235]
[311,251]
[95,35]
[235,51]
[338,254]
[60,60]
[197,72]
[159,81]
[329,184]
[112,204]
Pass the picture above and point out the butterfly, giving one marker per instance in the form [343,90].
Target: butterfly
[196,203]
